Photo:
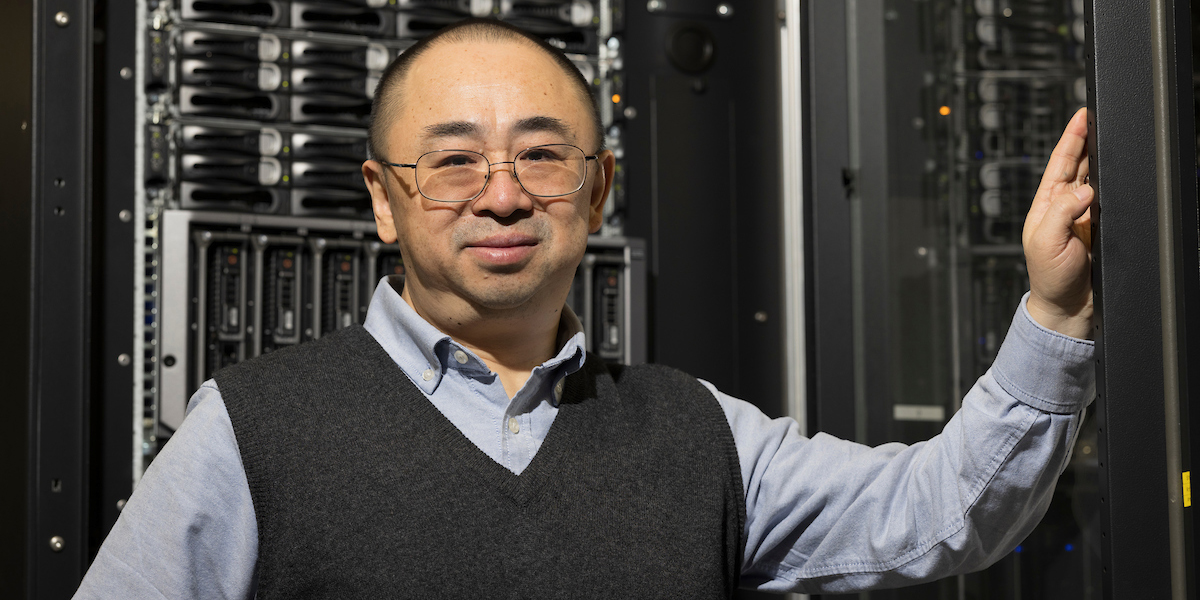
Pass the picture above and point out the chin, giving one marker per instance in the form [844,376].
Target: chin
[508,292]
[501,299]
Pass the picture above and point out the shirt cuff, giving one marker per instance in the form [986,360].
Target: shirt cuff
[1045,369]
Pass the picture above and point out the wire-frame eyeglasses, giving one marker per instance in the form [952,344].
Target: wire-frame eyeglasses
[544,171]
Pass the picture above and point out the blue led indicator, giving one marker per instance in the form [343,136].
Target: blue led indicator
[1069,547]
[1018,549]
[979,155]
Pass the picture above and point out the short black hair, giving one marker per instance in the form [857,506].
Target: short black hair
[384,104]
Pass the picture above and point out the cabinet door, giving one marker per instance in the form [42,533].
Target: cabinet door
[929,125]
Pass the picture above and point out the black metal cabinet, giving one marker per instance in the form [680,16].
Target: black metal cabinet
[702,127]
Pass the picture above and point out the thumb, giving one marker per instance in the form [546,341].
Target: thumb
[1082,226]
[1051,240]
[1061,216]
[1074,208]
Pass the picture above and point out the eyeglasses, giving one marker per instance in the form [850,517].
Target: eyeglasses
[462,175]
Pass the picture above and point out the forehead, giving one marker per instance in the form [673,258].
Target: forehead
[491,85]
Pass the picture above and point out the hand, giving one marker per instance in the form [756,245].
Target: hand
[1057,238]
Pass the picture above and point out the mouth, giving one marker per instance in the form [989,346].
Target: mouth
[502,249]
[504,240]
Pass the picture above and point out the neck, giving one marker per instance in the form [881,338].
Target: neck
[511,342]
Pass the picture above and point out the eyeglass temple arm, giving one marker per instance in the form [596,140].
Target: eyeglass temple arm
[392,164]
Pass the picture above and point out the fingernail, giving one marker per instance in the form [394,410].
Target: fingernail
[1083,192]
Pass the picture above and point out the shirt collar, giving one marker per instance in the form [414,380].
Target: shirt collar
[424,353]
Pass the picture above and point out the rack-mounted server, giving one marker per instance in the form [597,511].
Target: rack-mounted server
[235,286]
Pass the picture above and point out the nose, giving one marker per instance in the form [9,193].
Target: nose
[503,195]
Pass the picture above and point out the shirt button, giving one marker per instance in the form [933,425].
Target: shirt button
[513,426]
[427,375]
[460,356]
[558,389]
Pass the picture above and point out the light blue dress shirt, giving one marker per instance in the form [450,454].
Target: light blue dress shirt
[822,514]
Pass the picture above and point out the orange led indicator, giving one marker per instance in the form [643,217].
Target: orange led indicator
[945,110]
[616,99]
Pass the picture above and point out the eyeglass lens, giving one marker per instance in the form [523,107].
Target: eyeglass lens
[459,175]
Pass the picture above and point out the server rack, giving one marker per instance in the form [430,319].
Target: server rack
[250,123]
[949,114]
[930,123]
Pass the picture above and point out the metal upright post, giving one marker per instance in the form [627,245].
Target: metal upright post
[61,293]
[1136,166]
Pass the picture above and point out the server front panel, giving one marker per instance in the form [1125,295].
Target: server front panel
[236,286]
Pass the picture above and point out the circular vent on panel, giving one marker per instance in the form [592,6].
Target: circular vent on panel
[691,48]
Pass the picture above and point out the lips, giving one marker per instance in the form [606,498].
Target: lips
[502,249]
[504,240]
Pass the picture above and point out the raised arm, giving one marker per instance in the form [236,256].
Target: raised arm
[829,515]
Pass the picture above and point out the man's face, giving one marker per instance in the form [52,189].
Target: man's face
[505,249]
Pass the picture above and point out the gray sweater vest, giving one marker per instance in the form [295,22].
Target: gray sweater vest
[363,489]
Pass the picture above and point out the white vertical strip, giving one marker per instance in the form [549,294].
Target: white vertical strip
[139,244]
[792,141]
[793,213]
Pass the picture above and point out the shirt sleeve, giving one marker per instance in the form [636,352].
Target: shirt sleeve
[189,530]
[825,515]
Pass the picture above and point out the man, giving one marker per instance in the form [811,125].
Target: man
[461,443]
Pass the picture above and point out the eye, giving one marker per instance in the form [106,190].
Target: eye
[543,154]
[453,159]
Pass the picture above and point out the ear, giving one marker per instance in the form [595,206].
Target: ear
[601,184]
[376,179]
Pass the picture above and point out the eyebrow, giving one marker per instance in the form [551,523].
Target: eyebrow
[544,125]
[452,129]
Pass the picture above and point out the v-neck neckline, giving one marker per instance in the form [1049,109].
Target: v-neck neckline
[526,487]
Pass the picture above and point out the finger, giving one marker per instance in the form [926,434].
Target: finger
[1069,154]
[1068,164]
